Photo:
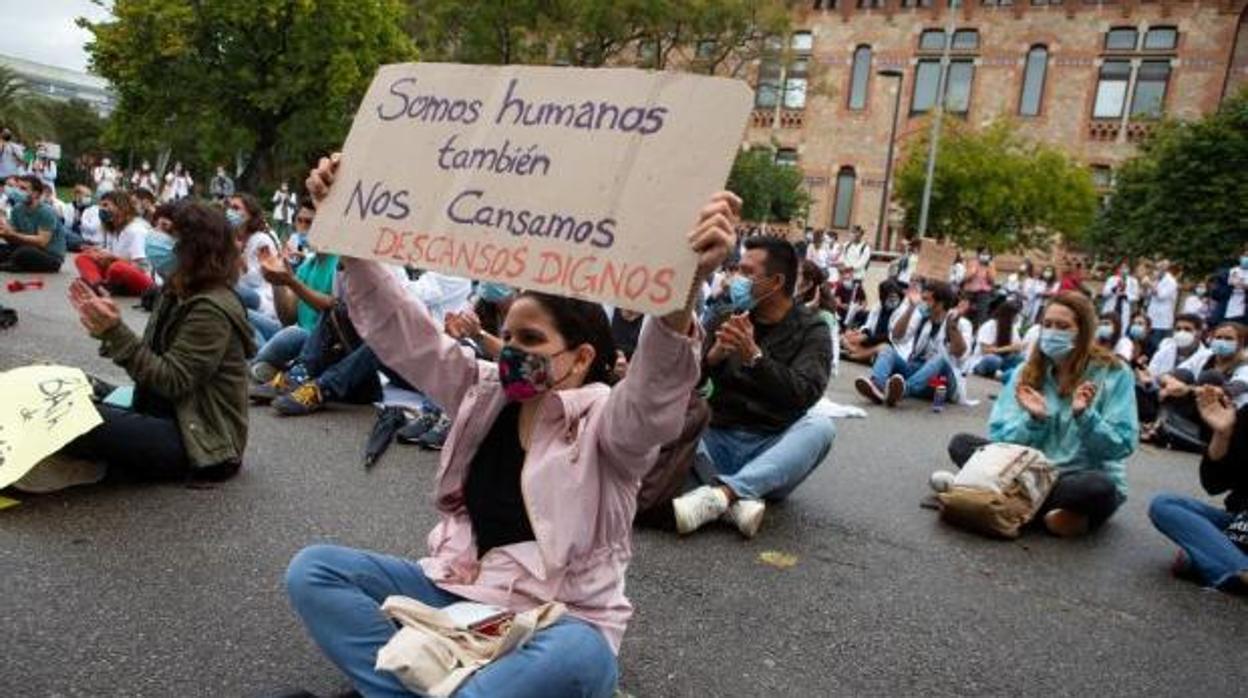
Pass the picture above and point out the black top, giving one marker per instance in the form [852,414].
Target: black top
[1230,473]
[778,390]
[626,332]
[492,492]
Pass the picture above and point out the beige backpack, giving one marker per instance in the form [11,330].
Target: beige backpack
[999,490]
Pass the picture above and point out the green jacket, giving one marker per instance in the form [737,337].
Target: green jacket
[202,372]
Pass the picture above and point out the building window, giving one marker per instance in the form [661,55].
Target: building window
[1033,81]
[998,3]
[1042,3]
[1161,39]
[932,40]
[1111,90]
[955,4]
[844,205]
[1102,177]
[768,93]
[957,86]
[802,42]
[870,4]
[1121,39]
[1150,89]
[786,157]
[860,77]
[909,4]
[795,84]
[965,40]
[825,4]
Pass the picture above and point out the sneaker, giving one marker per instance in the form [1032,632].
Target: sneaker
[436,436]
[746,515]
[263,371]
[301,401]
[867,388]
[269,391]
[698,508]
[894,390]
[415,428]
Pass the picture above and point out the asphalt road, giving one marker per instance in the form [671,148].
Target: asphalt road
[167,591]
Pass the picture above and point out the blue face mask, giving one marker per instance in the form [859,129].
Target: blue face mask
[1057,344]
[235,218]
[161,252]
[924,310]
[1136,332]
[1223,347]
[1243,262]
[493,292]
[1104,333]
[16,196]
[741,293]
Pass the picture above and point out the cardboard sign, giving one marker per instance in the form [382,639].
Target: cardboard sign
[577,182]
[44,408]
[935,259]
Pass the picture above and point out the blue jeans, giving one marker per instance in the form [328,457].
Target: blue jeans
[991,363]
[248,295]
[756,465]
[917,373]
[283,347]
[1200,529]
[263,325]
[338,593]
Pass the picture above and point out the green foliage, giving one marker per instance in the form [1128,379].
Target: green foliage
[209,80]
[78,129]
[996,189]
[22,111]
[1184,196]
[596,32]
[769,192]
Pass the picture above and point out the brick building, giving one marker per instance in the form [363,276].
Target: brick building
[1089,77]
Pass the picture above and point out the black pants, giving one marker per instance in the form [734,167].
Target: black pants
[1090,494]
[32,259]
[134,444]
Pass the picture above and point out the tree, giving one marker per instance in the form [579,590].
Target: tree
[216,78]
[992,188]
[597,32]
[21,110]
[1184,195]
[768,191]
[78,129]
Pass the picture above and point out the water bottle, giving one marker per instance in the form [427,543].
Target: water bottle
[942,395]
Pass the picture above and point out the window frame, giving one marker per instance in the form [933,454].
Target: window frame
[862,91]
[1135,33]
[785,161]
[845,170]
[1174,45]
[1133,112]
[1126,81]
[964,32]
[775,82]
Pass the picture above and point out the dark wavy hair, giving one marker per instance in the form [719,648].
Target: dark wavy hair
[581,322]
[207,254]
[255,215]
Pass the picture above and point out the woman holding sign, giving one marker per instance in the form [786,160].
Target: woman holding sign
[538,482]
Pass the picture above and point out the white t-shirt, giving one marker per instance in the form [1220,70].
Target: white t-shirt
[987,337]
[130,243]
[1195,305]
[253,277]
[1235,305]
[1161,304]
[89,225]
[857,256]
[918,342]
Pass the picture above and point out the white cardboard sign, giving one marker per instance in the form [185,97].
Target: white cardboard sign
[578,182]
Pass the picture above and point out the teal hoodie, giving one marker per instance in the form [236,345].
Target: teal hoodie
[1099,440]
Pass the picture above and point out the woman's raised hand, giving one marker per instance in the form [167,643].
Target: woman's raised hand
[712,237]
[321,178]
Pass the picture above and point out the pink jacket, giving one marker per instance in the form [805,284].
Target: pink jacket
[588,452]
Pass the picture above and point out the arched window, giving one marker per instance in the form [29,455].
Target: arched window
[844,204]
[1033,81]
[860,76]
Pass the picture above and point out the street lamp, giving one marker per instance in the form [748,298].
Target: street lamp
[888,164]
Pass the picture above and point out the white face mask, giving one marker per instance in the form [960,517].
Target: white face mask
[1184,339]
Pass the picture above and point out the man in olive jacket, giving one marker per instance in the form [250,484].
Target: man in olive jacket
[768,362]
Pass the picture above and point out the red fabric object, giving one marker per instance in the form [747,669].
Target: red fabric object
[121,277]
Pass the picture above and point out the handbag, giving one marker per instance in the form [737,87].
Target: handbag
[999,490]
[341,338]
[432,654]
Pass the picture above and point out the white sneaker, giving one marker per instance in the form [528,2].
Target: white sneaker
[698,508]
[746,515]
[263,372]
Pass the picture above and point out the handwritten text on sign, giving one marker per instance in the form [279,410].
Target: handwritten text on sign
[44,408]
[576,182]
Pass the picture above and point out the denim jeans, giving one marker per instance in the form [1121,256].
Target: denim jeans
[265,327]
[917,373]
[756,465]
[991,363]
[283,347]
[248,295]
[338,593]
[1200,529]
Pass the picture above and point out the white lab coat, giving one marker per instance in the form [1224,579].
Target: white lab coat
[857,256]
[1109,292]
[1162,301]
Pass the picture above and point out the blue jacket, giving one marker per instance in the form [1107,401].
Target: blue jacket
[1099,440]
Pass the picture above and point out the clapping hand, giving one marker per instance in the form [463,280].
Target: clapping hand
[1032,401]
[97,313]
[1084,395]
[275,270]
[1215,408]
[464,325]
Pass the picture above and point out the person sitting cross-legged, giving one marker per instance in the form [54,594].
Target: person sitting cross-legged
[930,339]
[768,363]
